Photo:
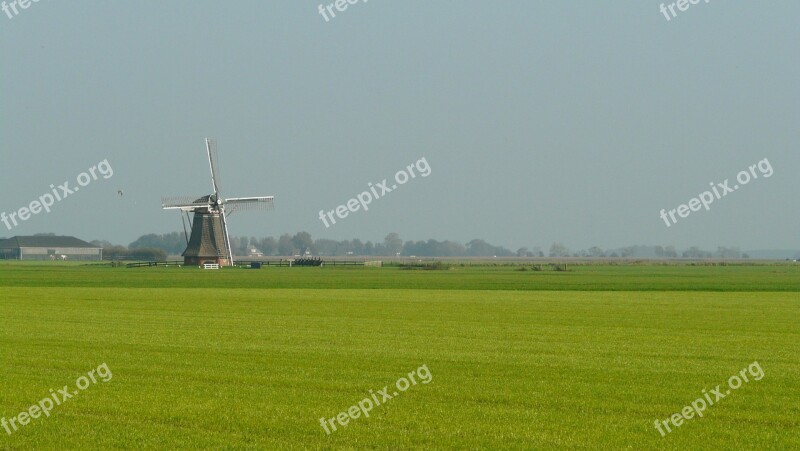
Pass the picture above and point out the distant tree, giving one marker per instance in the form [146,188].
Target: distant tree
[172,243]
[302,242]
[728,253]
[479,248]
[696,252]
[326,247]
[411,248]
[559,250]
[358,247]
[345,247]
[115,252]
[523,252]
[147,254]
[286,246]
[381,250]
[595,251]
[239,245]
[101,243]
[267,246]
[452,249]
[393,244]
[434,248]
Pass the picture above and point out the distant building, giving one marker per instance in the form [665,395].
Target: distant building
[49,248]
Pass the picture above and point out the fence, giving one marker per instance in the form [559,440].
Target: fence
[266,262]
[148,264]
[304,262]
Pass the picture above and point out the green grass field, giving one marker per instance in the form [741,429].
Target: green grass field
[241,359]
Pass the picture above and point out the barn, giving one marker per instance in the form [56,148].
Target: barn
[42,247]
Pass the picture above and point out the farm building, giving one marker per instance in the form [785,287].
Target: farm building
[48,248]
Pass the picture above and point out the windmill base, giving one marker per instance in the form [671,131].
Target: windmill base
[200,261]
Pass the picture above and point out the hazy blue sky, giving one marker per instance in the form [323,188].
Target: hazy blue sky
[568,121]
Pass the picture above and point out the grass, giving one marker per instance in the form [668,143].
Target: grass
[769,278]
[241,359]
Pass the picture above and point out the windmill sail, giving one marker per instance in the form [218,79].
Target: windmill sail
[210,239]
[249,203]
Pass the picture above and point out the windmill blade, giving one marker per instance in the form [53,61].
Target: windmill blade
[182,203]
[211,147]
[249,203]
[228,247]
[185,207]
[185,232]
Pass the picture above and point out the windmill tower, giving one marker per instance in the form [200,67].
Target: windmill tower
[210,241]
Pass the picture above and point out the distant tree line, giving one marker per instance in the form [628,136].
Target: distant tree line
[302,243]
[116,252]
[660,252]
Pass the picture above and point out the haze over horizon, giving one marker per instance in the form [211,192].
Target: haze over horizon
[535,131]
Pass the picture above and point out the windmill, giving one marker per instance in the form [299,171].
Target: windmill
[210,241]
